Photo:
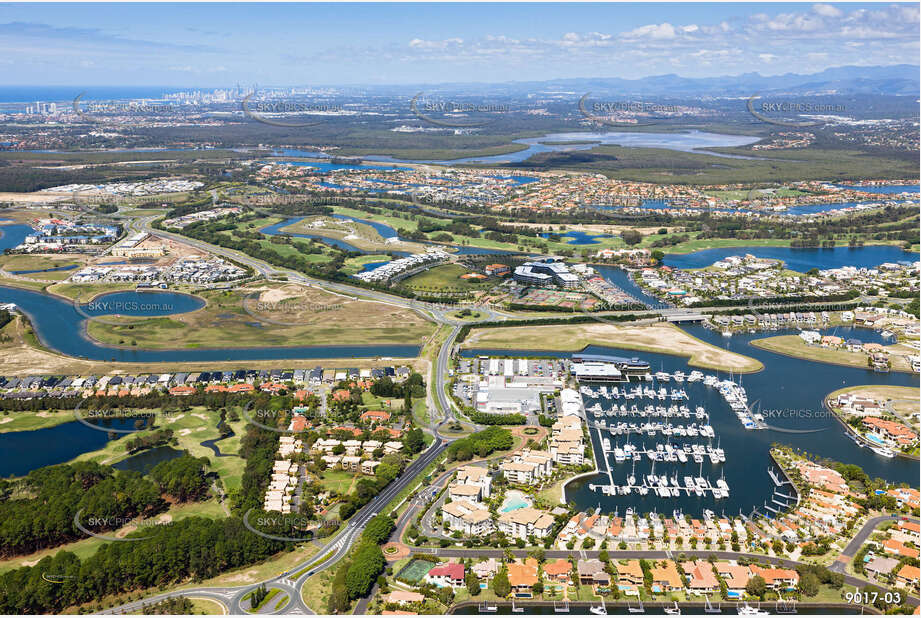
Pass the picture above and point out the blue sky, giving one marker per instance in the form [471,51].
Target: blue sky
[215,44]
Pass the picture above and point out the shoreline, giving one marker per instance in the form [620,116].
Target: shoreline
[689,358]
[754,342]
[851,432]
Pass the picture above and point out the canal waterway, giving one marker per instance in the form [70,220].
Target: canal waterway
[62,328]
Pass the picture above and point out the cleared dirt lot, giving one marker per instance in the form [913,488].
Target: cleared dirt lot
[660,338]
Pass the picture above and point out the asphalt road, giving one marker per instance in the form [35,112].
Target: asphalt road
[341,543]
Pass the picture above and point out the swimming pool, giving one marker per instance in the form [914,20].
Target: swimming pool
[514,500]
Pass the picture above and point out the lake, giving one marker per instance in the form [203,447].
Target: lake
[687,141]
[145,461]
[885,189]
[13,235]
[799,260]
[576,237]
[27,450]
[142,303]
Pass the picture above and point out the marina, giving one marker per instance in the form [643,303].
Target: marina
[672,457]
[792,412]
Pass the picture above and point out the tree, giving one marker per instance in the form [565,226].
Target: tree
[378,529]
[756,587]
[473,584]
[367,565]
[809,584]
[414,441]
[631,237]
[500,583]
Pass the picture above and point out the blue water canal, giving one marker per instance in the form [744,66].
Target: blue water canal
[789,392]
[799,260]
[383,229]
[62,328]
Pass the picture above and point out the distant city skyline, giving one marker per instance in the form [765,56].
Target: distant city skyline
[219,45]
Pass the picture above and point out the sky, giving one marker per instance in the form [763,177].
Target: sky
[217,44]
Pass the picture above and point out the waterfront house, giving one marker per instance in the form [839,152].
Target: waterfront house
[700,576]
[777,579]
[558,571]
[587,569]
[629,575]
[665,577]
[521,577]
[485,570]
[450,574]
[735,575]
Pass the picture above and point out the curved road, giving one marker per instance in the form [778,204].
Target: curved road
[340,544]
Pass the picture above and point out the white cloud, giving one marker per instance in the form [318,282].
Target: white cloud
[826,10]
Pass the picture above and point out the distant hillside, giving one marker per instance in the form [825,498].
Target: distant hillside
[900,79]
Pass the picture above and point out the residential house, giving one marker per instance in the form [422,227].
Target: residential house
[700,576]
[777,579]
[449,574]
[908,577]
[559,571]
[521,577]
[665,577]
[402,597]
[485,570]
[881,567]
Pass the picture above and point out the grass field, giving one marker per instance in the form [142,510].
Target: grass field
[793,345]
[19,355]
[29,421]
[904,399]
[659,338]
[360,235]
[206,607]
[337,480]
[189,429]
[356,264]
[446,277]
[278,315]
[13,263]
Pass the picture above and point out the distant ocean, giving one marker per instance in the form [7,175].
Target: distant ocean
[57,94]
